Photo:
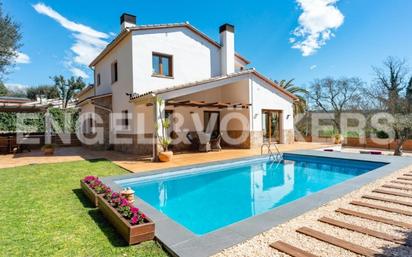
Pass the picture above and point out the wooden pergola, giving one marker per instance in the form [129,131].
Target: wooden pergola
[201,104]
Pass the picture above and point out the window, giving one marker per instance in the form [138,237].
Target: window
[162,65]
[89,124]
[125,119]
[114,72]
[98,79]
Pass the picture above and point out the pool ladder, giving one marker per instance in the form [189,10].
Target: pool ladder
[275,157]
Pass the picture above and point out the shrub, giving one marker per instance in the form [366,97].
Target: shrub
[382,134]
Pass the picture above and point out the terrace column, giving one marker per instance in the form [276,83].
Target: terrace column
[159,115]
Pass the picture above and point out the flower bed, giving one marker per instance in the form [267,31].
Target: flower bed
[132,225]
[92,187]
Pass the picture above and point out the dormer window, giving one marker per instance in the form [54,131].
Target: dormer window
[162,65]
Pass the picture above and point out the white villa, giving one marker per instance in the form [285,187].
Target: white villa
[195,76]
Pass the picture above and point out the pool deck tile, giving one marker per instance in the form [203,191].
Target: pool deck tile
[182,242]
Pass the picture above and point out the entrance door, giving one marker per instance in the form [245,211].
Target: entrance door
[271,126]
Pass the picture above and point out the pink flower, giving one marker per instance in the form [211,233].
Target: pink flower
[89,179]
[134,220]
[124,202]
[134,210]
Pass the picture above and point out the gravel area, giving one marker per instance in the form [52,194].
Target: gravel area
[259,245]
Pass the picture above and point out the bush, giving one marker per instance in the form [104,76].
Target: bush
[382,134]
[64,119]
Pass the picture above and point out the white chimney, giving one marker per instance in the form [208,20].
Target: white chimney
[127,21]
[227,53]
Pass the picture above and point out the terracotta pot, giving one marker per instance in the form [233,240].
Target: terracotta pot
[48,151]
[165,156]
[338,139]
[133,234]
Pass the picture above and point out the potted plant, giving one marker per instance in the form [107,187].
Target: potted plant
[338,138]
[134,226]
[165,155]
[92,187]
[48,149]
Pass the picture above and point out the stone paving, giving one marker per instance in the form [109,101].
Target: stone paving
[137,163]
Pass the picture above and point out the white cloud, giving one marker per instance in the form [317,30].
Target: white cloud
[79,73]
[22,58]
[15,87]
[313,67]
[316,25]
[88,41]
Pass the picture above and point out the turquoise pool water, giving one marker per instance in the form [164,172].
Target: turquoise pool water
[208,198]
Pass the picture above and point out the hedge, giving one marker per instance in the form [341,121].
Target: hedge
[8,120]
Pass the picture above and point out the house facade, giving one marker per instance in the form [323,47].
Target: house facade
[199,80]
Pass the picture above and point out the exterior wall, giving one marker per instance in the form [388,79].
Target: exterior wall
[123,55]
[87,107]
[104,114]
[194,58]
[232,93]
[86,95]
[266,97]
[140,134]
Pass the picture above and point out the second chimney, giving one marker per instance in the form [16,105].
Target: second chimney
[227,53]
[127,21]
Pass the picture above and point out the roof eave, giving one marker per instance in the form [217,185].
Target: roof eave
[126,31]
[272,83]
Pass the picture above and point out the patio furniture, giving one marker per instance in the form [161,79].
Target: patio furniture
[215,143]
[204,140]
[199,141]
[193,139]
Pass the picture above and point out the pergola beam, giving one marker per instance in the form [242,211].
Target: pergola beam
[200,104]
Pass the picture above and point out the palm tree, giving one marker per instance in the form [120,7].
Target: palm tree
[301,93]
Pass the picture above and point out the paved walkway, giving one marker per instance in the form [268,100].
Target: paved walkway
[137,164]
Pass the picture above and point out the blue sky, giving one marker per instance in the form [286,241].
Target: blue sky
[301,39]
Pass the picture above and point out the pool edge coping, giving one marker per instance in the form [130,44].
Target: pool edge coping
[179,241]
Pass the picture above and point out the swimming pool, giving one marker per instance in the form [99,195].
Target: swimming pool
[208,198]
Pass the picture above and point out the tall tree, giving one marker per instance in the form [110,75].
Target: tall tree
[68,88]
[336,96]
[389,89]
[3,89]
[301,93]
[10,37]
[392,80]
[409,95]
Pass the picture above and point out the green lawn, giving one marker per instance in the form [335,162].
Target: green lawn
[43,213]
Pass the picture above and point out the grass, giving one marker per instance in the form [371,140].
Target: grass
[44,213]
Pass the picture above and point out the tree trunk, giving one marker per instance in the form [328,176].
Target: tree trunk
[398,147]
